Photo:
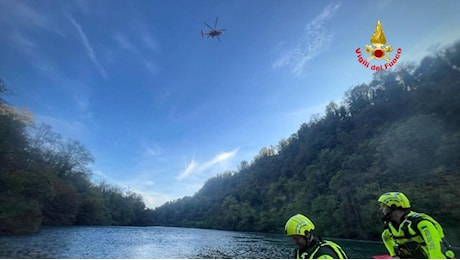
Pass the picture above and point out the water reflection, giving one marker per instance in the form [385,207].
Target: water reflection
[160,242]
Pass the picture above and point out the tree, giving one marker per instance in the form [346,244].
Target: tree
[401,131]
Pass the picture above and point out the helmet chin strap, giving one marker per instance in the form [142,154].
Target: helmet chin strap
[308,238]
[387,217]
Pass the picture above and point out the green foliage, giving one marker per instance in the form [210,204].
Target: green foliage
[92,208]
[45,181]
[18,214]
[401,132]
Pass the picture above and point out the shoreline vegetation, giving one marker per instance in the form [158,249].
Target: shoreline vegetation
[401,131]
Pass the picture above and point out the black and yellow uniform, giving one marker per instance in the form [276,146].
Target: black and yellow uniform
[309,247]
[417,236]
[319,249]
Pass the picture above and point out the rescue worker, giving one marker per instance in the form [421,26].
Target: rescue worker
[409,234]
[300,229]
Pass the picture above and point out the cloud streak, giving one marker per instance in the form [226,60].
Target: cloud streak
[190,168]
[89,49]
[20,14]
[146,46]
[316,37]
[195,167]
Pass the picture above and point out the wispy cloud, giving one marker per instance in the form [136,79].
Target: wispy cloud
[316,38]
[142,48]
[89,49]
[196,167]
[22,41]
[151,150]
[150,43]
[190,167]
[22,15]
[68,128]
[26,26]
[125,44]
[151,67]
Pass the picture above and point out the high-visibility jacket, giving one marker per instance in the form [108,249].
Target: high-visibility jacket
[321,249]
[417,236]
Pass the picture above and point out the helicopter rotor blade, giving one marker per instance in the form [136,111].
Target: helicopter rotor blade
[215,25]
[209,26]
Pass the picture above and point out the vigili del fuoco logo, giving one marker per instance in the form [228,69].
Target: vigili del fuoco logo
[378,51]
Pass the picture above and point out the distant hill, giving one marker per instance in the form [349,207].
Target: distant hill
[399,132]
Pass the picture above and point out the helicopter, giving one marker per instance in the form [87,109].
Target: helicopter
[214,32]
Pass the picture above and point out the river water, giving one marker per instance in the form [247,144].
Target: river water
[160,242]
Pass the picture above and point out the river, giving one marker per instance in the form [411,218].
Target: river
[160,242]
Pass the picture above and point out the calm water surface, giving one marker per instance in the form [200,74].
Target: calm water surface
[160,242]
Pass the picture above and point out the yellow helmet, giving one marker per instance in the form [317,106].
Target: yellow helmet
[395,199]
[298,225]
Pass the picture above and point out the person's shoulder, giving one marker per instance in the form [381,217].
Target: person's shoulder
[331,249]
[330,242]
[325,257]
[414,214]
[422,222]
[417,217]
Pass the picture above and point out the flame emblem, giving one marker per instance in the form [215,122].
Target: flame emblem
[378,50]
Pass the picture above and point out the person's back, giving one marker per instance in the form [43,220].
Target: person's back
[321,249]
[409,234]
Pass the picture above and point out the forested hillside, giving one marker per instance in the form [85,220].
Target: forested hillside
[45,180]
[400,132]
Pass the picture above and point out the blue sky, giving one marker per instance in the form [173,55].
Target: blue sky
[162,109]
